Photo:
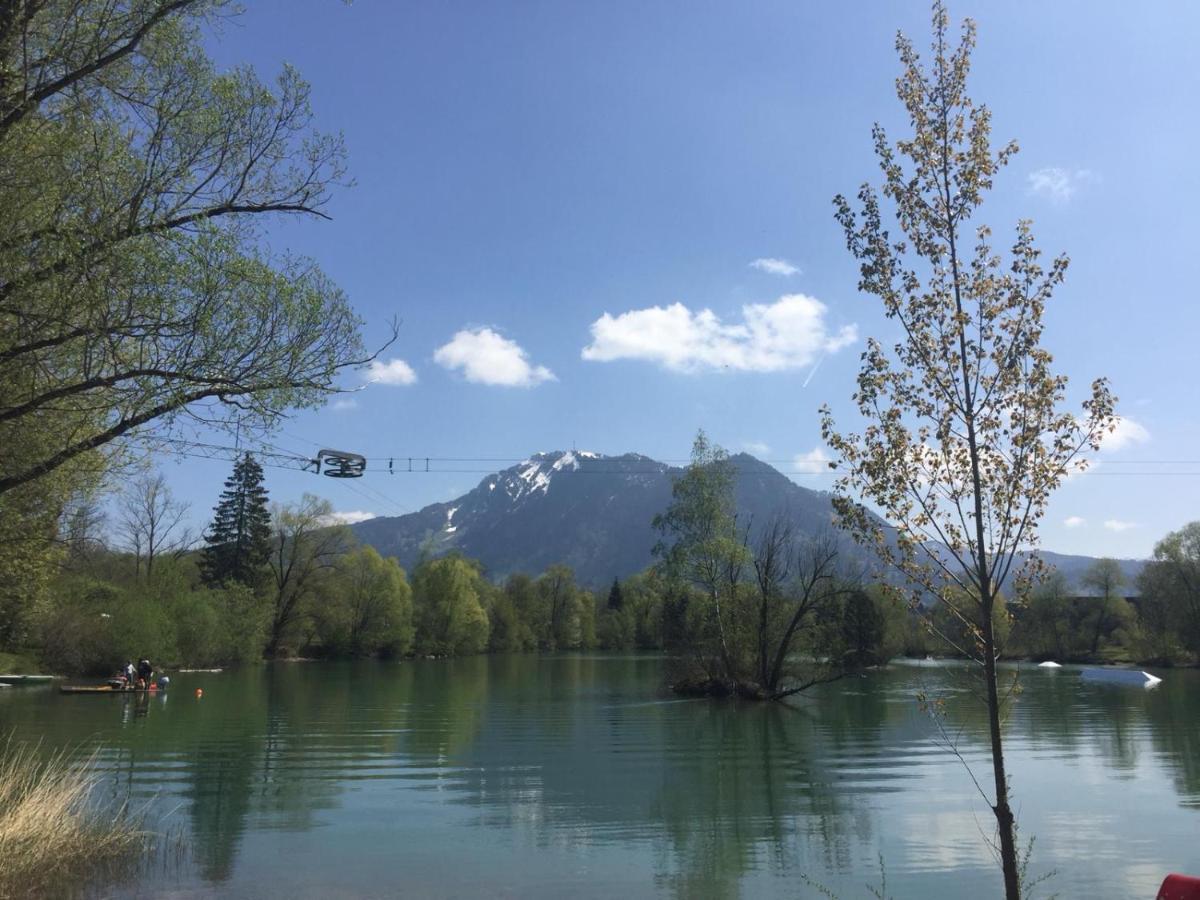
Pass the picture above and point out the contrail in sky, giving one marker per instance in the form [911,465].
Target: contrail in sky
[813,371]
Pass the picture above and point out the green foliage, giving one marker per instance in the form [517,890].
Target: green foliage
[1170,587]
[560,614]
[872,626]
[364,607]
[93,627]
[306,545]
[134,281]
[700,540]
[238,542]
[447,609]
[757,620]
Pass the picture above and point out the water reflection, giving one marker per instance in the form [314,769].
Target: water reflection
[578,774]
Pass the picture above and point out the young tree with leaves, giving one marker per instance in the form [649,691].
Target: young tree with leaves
[238,543]
[967,433]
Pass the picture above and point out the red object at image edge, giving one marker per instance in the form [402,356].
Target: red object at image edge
[1179,887]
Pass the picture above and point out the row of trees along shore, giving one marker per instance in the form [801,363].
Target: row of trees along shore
[758,611]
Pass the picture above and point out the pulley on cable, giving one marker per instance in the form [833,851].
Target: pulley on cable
[340,464]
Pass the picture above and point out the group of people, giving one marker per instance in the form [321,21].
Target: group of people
[140,678]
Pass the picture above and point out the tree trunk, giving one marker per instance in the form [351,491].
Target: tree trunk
[1004,817]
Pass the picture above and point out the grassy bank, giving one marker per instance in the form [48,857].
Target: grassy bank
[52,838]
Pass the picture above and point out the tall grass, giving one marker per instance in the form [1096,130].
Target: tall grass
[53,839]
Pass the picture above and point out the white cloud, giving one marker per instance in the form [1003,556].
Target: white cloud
[787,334]
[1119,525]
[1059,184]
[1074,521]
[1126,434]
[485,357]
[393,371]
[343,403]
[773,266]
[757,448]
[813,462]
[349,517]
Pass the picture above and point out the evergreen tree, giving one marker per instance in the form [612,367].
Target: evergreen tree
[239,540]
[615,600]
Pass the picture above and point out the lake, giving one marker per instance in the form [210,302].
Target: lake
[554,776]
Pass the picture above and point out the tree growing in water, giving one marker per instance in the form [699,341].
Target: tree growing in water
[967,434]
[238,543]
[759,617]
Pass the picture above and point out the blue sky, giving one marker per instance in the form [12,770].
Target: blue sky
[534,178]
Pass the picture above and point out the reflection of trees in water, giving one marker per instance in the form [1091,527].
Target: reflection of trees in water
[580,750]
[221,753]
[1116,722]
[577,750]
[1173,710]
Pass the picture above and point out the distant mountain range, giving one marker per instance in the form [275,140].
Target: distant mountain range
[594,513]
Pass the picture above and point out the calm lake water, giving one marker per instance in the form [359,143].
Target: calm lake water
[577,776]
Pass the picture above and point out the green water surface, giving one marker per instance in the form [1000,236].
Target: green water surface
[577,776]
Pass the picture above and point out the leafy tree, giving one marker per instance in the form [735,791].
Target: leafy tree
[511,615]
[560,608]
[1045,627]
[863,628]
[738,613]
[135,285]
[366,607]
[447,609]
[702,554]
[1170,586]
[968,437]
[305,546]
[1110,610]
[238,543]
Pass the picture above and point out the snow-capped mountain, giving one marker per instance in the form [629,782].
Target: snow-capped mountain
[594,513]
[590,511]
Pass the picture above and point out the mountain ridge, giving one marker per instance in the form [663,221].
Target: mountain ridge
[594,512]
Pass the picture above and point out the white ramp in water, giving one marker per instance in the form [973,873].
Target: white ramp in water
[1049,664]
[1105,675]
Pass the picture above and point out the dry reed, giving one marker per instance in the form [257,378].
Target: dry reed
[52,837]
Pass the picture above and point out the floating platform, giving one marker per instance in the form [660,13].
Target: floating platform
[105,689]
[25,679]
[1105,675]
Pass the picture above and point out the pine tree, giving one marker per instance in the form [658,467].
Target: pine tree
[615,599]
[238,542]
